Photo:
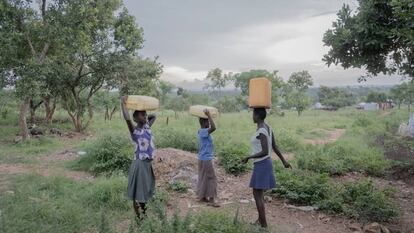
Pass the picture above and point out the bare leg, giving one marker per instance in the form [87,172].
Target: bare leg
[259,199]
[139,208]
[136,208]
[143,208]
[212,203]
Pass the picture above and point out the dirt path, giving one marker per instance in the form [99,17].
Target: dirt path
[333,135]
[234,192]
[46,166]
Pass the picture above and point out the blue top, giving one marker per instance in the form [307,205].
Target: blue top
[205,145]
[144,143]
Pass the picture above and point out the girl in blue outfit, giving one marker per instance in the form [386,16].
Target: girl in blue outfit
[141,179]
[262,143]
[207,181]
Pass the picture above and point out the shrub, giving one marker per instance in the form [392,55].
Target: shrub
[287,141]
[108,154]
[230,157]
[344,156]
[179,139]
[178,186]
[302,187]
[360,200]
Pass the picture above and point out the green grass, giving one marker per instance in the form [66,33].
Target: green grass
[42,204]
[57,204]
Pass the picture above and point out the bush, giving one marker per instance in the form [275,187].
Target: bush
[230,157]
[287,141]
[302,187]
[178,186]
[107,155]
[344,156]
[360,200]
[179,139]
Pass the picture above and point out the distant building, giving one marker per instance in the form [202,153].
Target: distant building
[371,106]
[318,106]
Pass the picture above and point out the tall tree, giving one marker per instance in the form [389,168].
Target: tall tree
[28,40]
[333,96]
[165,88]
[218,80]
[378,36]
[295,91]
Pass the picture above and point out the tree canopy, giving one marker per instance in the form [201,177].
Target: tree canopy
[378,36]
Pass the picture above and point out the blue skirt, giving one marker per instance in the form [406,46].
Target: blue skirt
[263,176]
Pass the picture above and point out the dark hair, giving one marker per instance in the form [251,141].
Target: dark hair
[136,112]
[260,112]
[203,121]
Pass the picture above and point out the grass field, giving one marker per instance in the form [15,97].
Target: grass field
[34,203]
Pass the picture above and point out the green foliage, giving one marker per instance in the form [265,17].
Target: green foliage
[205,221]
[360,200]
[165,88]
[376,97]
[176,138]
[46,204]
[230,104]
[241,81]
[377,36]
[302,187]
[300,80]
[106,155]
[217,80]
[335,97]
[230,157]
[344,156]
[178,186]
[178,103]
[295,91]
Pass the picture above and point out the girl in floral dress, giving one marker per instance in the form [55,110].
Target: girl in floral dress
[141,179]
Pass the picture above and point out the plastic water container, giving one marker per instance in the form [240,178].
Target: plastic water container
[142,103]
[260,93]
[198,111]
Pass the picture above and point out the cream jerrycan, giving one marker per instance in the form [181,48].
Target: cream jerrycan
[260,93]
[198,111]
[142,103]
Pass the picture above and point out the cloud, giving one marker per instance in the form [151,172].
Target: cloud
[273,44]
[175,74]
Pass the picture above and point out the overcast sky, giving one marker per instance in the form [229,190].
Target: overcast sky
[192,37]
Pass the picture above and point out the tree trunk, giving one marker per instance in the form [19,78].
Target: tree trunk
[106,113]
[32,115]
[78,123]
[90,113]
[49,108]
[24,132]
[112,113]
[33,108]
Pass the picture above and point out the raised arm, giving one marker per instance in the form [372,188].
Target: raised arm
[279,154]
[211,122]
[125,113]
[151,119]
